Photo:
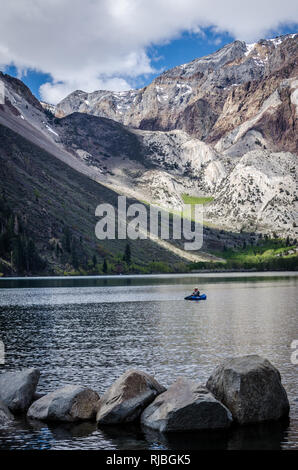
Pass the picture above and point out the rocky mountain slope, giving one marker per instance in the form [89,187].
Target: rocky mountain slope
[47,217]
[199,123]
[51,183]
[208,97]
[223,127]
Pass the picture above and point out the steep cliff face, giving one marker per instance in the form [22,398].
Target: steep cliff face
[208,97]
[258,194]
[224,125]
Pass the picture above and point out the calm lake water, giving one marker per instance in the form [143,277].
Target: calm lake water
[91,330]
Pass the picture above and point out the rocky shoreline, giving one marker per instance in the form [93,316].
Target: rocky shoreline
[242,390]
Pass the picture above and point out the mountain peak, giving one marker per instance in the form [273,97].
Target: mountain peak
[190,89]
[223,126]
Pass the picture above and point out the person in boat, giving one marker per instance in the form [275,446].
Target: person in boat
[196,292]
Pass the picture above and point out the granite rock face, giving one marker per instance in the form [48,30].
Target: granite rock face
[17,389]
[67,404]
[127,397]
[207,97]
[186,406]
[250,386]
[238,109]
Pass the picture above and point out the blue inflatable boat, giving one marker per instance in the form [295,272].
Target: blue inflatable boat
[196,297]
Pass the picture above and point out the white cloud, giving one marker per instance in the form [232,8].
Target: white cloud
[92,44]
[55,92]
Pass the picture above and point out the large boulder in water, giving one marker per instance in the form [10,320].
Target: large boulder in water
[186,406]
[127,397]
[67,404]
[250,386]
[17,389]
[5,415]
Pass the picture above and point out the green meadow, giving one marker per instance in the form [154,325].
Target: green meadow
[268,254]
[187,199]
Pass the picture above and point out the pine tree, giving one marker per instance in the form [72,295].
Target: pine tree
[16,225]
[18,254]
[31,260]
[57,250]
[105,266]
[127,254]
[74,255]
[66,239]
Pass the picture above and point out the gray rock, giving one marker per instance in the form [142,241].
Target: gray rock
[127,397]
[186,406]
[67,404]
[38,395]
[250,386]
[5,415]
[17,389]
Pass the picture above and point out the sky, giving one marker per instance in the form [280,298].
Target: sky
[58,46]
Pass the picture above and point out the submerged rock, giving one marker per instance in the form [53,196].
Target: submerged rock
[127,397]
[5,415]
[250,386]
[17,389]
[68,403]
[186,406]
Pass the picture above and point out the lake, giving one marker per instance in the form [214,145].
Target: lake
[91,330]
